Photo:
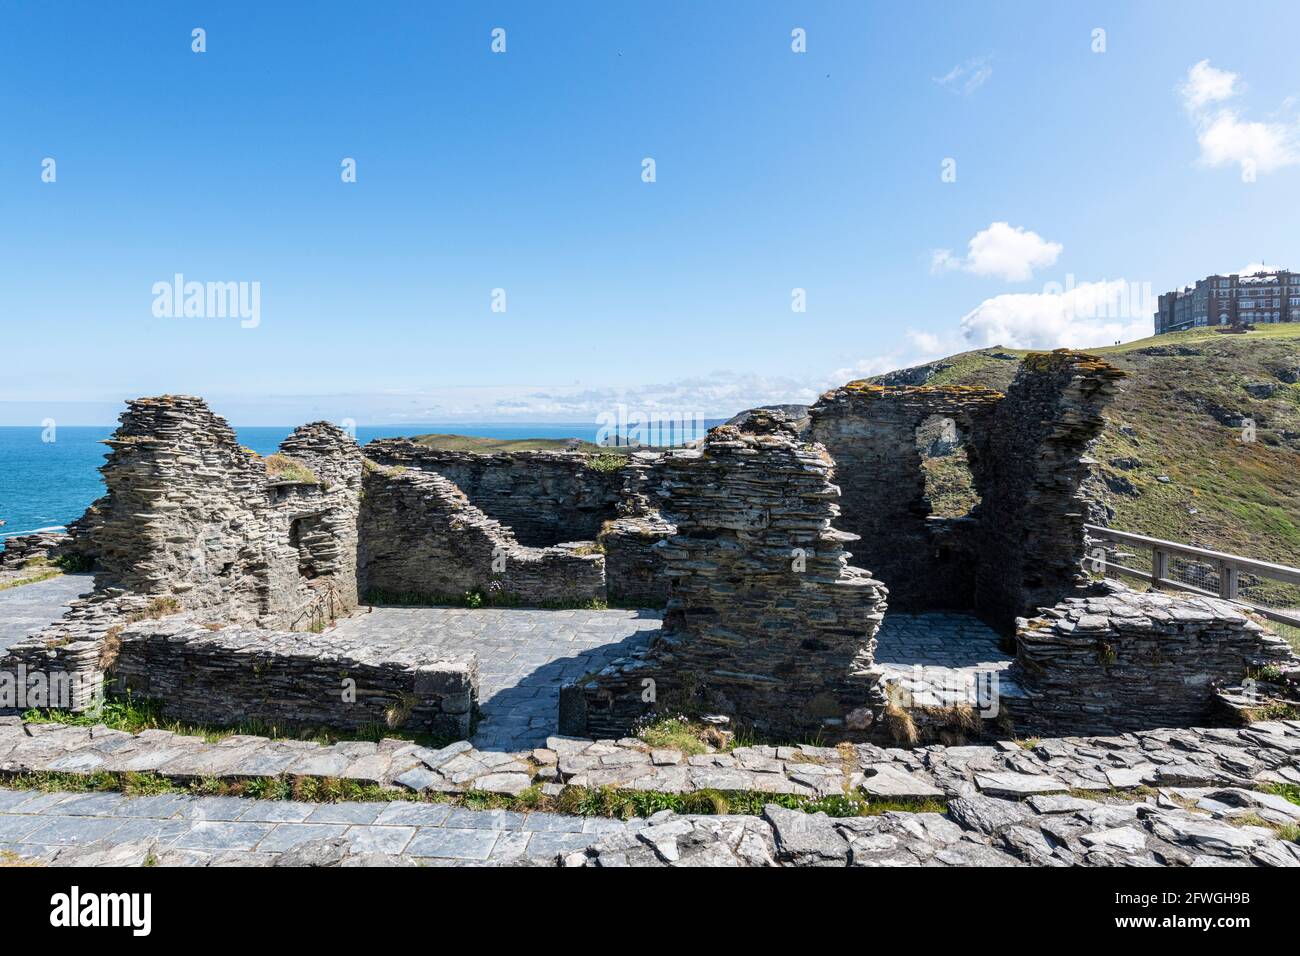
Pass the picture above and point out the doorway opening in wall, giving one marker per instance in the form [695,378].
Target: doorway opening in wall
[949,484]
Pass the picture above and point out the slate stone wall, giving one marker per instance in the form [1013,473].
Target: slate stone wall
[766,621]
[42,547]
[242,674]
[1031,463]
[73,652]
[191,515]
[1119,660]
[1020,547]
[634,565]
[421,538]
[871,433]
[545,498]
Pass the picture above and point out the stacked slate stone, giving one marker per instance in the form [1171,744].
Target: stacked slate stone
[766,621]
[321,522]
[41,547]
[633,559]
[871,432]
[191,515]
[1120,660]
[1032,464]
[422,539]
[241,674]
[70,653]
[543,497]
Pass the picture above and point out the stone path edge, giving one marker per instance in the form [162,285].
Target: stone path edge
[1258,756]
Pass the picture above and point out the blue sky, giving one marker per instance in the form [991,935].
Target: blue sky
[522,171]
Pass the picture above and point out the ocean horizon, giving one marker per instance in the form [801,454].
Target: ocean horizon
[46,484]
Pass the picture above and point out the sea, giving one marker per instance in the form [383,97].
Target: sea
[47,483]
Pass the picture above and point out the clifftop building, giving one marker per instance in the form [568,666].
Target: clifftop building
[1232,300]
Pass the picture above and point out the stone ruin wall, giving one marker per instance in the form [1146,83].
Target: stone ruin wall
[781,644]
[240,674]
[545,498]
[633,560]
[1116,660]
[871,433]
[27,551]
[423,540]
[1034,462]
[1020,548]
[191,515]
[73,651]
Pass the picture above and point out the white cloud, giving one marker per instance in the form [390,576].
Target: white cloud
[967,77]
[1008,252]
[1225,138]
[1206,84]
[1089,314]
[1228,140]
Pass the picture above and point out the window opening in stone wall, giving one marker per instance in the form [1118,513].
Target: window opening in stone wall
[949,484]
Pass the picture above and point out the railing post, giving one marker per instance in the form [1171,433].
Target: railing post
[1159,566]
[1229,580]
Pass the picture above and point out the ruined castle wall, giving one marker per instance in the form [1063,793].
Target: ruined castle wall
[297,680]
[1120,660]
[62,665]
[191,515]
[1030,465]
[871,433]
[422,538]
[634,565]
[766,620]
[545,498]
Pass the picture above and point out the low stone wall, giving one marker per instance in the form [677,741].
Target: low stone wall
[1121,660]
[41,547]
[421,538]
[545,498]
[62,665]
[236,674]
[766,622]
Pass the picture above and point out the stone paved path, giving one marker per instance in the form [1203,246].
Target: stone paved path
[189,830]
[1179,826]
[26,609]
[935,657]
[525,655]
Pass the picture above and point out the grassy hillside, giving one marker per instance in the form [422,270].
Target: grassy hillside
[493,446]
[1172,462]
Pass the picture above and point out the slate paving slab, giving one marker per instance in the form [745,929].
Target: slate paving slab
[452,844]
[28,608]
[977,830]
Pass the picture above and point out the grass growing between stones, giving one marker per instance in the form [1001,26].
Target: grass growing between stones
[693,736]
[625,804]
[1288,791]
[283,468]
[575,801]
[134,714]
[676,733]
[44,574]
